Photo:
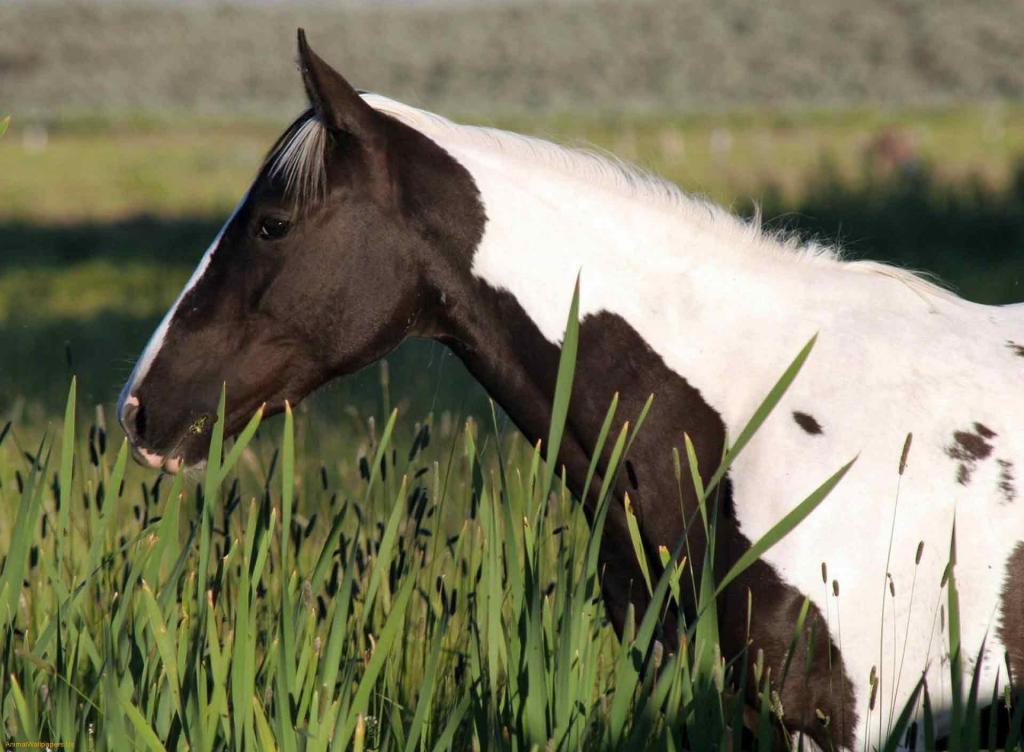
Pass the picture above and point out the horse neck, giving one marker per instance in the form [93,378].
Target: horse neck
[685,288]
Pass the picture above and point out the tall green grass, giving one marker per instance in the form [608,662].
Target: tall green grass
[447,597]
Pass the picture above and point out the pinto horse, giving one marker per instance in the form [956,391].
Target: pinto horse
[372,221]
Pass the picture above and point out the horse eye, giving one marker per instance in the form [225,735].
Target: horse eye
[272,228]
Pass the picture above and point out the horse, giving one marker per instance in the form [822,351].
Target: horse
[371,222]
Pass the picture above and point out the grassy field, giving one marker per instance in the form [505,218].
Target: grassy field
[385,583]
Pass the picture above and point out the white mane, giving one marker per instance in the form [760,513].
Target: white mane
[299,157]
[602,169]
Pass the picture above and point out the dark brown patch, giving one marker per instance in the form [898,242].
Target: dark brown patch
[984,431]
[1011,622]
[1007,481]
[969,449]
[807,422]
[1016,349]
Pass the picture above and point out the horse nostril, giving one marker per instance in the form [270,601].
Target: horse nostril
[133,420]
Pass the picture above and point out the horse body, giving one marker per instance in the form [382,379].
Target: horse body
[475,237]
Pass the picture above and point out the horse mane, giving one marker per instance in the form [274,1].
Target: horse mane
[602,169]
[299,157]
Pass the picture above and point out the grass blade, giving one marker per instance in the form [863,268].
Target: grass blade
[563,388]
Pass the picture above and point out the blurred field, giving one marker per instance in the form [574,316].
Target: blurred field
[122,57]
[166,166]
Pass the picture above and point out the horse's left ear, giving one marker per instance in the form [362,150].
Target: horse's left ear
[335,102]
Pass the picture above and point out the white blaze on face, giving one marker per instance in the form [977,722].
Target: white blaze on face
[152,349]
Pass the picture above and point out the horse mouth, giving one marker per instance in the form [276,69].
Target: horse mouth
[189,449]
[192,446]
[170,464]
[192,449]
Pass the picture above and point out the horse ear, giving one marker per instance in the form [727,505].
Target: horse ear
[335,102]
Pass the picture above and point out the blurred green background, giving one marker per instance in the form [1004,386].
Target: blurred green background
[895,129]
